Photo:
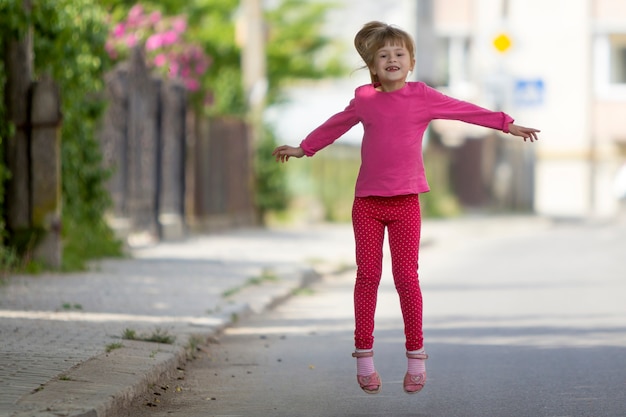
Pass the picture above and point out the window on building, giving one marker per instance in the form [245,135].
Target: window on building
[609,65]
[442,62]
[618,58]
[452,60]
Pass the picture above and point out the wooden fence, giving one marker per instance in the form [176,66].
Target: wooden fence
[171,170]
[220,175]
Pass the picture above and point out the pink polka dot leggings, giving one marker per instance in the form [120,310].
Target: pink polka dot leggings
[401,216]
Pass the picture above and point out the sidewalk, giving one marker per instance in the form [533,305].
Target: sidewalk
[55,329]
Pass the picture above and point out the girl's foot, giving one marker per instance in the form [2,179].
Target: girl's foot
[367,377]
[415,377]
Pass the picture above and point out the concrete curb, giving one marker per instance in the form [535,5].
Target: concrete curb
[107,384]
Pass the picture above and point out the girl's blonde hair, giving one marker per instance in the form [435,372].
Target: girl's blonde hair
[375,35]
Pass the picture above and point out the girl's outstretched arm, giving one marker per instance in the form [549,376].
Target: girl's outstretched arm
[284,152]
[525,132]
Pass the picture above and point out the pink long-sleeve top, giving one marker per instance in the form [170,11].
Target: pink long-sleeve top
[394,124]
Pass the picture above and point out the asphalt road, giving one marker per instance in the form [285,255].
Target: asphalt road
[531,323]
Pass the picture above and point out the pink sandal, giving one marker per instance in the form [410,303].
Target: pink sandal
[370,384]
[414,383]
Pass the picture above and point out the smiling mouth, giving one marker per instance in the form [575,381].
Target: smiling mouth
[392,68]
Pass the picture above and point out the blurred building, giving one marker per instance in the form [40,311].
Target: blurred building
[556,65]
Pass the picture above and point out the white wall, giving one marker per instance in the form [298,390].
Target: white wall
[551,42]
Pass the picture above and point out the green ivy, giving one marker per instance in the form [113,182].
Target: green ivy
[4,133]
[70,39]
[13,21]
[68,44]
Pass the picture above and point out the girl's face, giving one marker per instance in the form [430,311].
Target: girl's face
[392,64]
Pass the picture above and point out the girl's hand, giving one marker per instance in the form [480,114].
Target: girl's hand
[283,153]
[525,132]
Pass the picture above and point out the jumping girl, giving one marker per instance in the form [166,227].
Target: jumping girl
[394,114]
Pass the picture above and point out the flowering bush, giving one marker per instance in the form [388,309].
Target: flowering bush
[163,40]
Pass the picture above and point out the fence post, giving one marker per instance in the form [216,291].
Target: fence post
[19,70]
[113,137]
[45,158]
[171,161]
[142,128]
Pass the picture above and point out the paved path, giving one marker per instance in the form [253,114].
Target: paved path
[55,328]
[518,323]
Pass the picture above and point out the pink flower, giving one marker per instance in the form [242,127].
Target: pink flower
[192,84]
[174,69]
[201,65]
[110,49]
[193,52]
[155,17]
[160,60]
[118,32]
[131,40]
[163,39]
[154,42]
[168,38]
[134,14]
[200,68]
[179,24]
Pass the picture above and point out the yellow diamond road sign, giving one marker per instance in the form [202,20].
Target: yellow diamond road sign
[502,43]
